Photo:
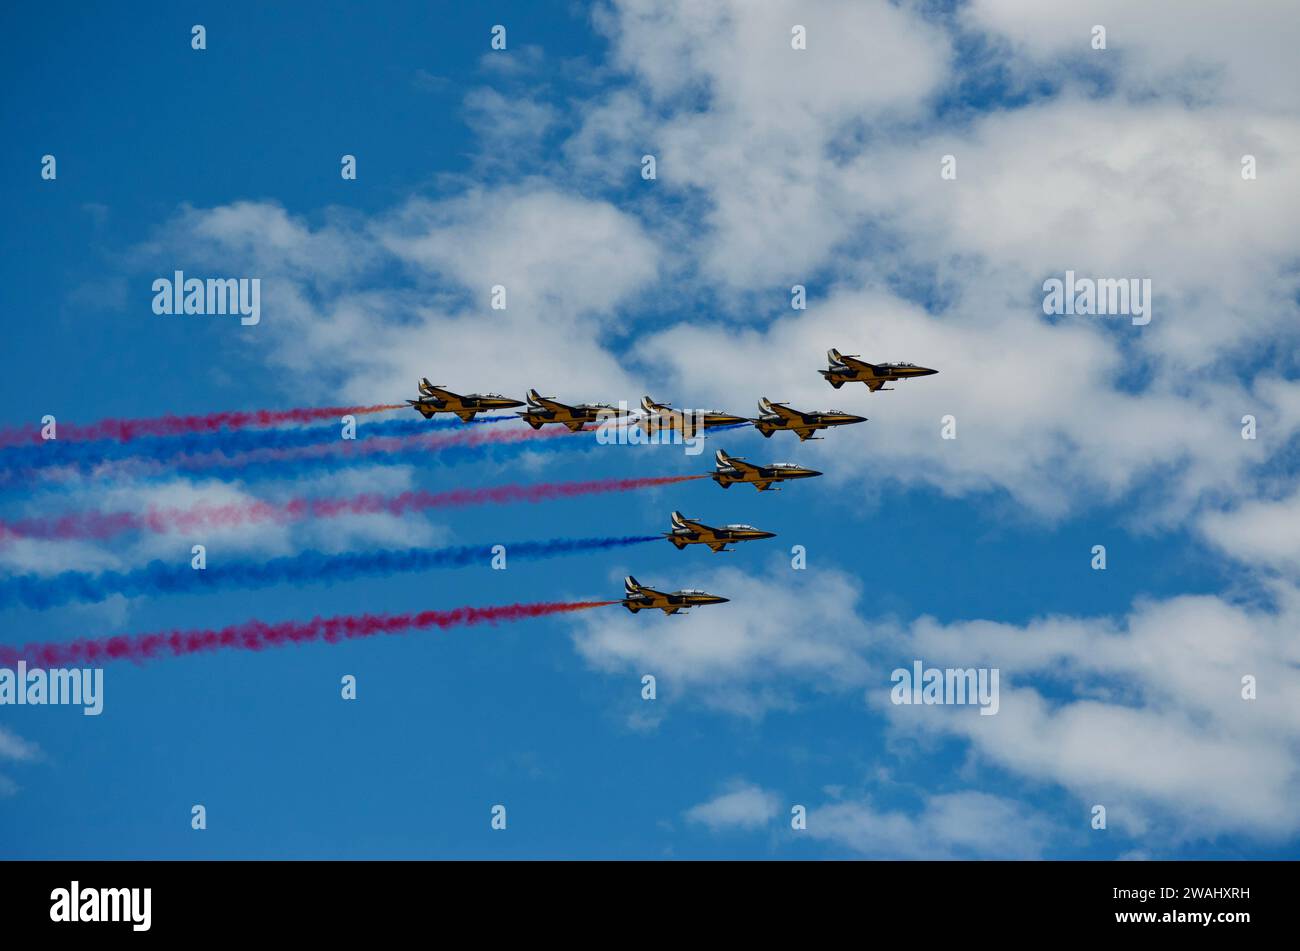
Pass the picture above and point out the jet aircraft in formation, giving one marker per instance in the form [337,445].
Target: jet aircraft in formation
[639,597]
[660,416]
[849,368]
[774,417]
[546,409]
[732,469]
[688,531]
[436,399]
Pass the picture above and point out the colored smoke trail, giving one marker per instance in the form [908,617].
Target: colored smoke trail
[256,635]
[392,451]
[237,514]
[160,578]
[327,457]
[29,461]
[126,430]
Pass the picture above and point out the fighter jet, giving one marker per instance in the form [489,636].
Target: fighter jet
[848,368]
[662,416]
[778,416]
[639,597]
[687,531]
[732,469]
[435,399]
[544,409]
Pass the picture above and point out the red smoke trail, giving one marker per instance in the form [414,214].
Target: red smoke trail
[205,515]
[125,430]
[341,449]
[255,635]
[219,460]
[369,446]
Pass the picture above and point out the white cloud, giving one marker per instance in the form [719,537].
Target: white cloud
[800,170]
[779,633]
[1260,532]
[742,806]
[14,747]
[952,825]
[1143,713]
[966,824]
[1241,53]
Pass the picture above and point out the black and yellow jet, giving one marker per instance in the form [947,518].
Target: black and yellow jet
[687,531]
[544,409]
[732,469]
[778,416]
[660,416]
[848,368]
[435,399]
[640,597]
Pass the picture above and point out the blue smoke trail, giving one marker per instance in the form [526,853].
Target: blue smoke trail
[321,465]
[85,455]
[159,577]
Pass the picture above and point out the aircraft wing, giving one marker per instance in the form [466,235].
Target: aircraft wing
[853,363]
[874,385]
[547,403]
[635,589]
[741,466]
[682,522]
[428,389]
[786,413]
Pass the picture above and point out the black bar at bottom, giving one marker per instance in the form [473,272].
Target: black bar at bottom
[974,900]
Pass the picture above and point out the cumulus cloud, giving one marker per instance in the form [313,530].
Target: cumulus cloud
[1259,532]
[961,825]
[779,633]
[14,747]
[1142,713]
[742,806]
[1146,714]
[1197,50]
[336,319]
[17,750]
[823,177]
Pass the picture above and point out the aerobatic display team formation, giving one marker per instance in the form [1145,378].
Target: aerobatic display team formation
[239,440]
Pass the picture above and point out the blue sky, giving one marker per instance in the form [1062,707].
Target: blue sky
[775,167]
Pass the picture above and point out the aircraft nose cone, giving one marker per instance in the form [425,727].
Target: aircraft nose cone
[811,472]
[928,372]
[765,534]
[721,600]
[855,419]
